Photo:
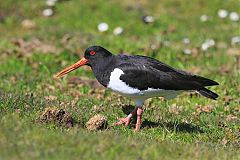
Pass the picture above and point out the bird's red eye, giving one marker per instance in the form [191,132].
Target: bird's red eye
[92,53]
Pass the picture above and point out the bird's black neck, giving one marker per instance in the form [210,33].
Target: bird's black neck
[102,69]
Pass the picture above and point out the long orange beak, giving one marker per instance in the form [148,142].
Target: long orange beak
[80,63]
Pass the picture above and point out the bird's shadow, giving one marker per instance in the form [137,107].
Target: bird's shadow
[174,126]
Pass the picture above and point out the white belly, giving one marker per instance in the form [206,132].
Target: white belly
[122,88]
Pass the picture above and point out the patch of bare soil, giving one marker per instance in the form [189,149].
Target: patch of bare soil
[97,122]
[203,109]
[27,47]
[57,116]
[85,82]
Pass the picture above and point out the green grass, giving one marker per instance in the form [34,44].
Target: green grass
[172,129]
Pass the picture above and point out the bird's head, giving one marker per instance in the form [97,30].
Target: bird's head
[92,56]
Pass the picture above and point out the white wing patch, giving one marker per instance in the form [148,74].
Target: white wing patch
[117,85]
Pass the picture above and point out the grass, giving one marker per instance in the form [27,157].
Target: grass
[188,127]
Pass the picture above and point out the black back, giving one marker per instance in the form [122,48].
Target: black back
[144,72]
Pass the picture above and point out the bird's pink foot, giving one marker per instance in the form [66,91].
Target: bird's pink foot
[127,119]
[124,121]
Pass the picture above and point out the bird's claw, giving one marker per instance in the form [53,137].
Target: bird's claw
[121,121]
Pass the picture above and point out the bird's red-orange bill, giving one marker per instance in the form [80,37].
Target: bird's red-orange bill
[76,65]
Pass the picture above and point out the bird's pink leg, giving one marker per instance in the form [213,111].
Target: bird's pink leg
[126,120]
[139,118]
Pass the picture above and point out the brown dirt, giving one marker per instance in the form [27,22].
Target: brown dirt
[58,116]
[28,24]
[203,109]
[27,47]
[97,122]
[85,82]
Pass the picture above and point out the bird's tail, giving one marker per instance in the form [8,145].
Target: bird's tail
[205,81]
[207,93]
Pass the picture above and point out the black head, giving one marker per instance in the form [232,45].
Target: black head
[95,54]
[94,57]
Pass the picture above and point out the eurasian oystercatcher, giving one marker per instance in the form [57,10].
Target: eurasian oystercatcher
[140,78]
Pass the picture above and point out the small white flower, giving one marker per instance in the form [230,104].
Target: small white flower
[102,27]
[187,51]
[234,16]
[222,13]
[47,12]
[204,18]
[118,31]
[186,40]
[50,3]
[207,44]
[210,42]
[204,46]
[148,19]
[235,40]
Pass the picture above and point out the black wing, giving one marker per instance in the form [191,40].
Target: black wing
[143,72]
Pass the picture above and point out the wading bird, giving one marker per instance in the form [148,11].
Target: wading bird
[140,78]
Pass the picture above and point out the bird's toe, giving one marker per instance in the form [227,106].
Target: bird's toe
[121,121]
